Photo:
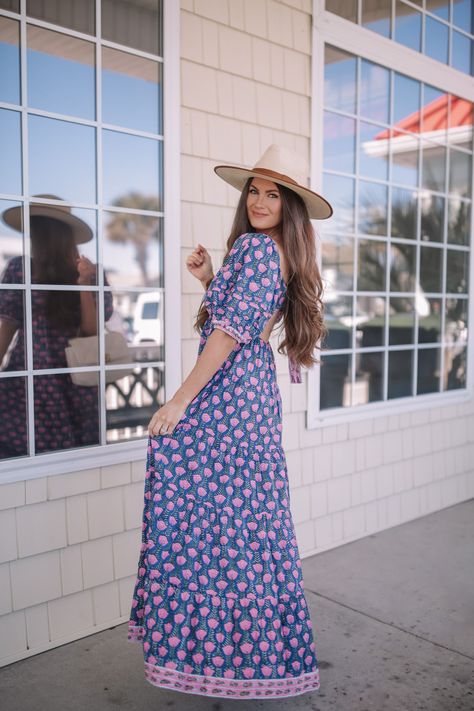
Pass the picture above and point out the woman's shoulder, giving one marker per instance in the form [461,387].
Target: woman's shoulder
[251,241]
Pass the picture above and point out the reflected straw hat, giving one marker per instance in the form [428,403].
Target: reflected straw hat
[284,167]
[81,230]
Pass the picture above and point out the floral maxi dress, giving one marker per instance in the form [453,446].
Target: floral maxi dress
[219,601]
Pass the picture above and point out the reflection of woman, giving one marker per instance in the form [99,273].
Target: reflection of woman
[65,414]
[219,598]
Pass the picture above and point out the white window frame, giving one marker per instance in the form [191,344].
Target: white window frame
[328,28]
[78,459]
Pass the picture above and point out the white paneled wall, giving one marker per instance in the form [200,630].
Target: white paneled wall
[69,544]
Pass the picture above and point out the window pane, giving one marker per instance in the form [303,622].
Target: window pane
[434,167]
[11,242]
[346,9]
[339,80]
[12,315]
[335,381]
[10,150]
[401,321]
[374,91]
[460,170]
[405,151]
[406,103]
[408,26]
[376,16]
[133,249]
[56,146]
[13,413]
[67,13]
[9,61]
[66,414]
[402,266]
[338,318]
[455,367]
[455,322]
[140,318]
[132,171]
[370,329]
[400,373]
[461,56]
[459,222]
[373,142]
[124,74]
[132,401]
[457,272]
[134,23]
[461,115]
[432,217]
[373,199]
[434,114]
[429,320]
[61,73]
[340,193]
[339,143]
[431,269]
[369,378]
[338,262]
[429,370]
[13,5]
[436,40]
[462,14]
[404,212]
[371,269]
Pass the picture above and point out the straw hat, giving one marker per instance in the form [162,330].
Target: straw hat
[282,166]
[81,230]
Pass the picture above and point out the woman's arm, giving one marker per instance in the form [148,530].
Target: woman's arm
[218,347]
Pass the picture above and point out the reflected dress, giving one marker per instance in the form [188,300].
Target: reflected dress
[219,603]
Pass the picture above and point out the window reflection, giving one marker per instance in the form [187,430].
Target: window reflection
[438,7]
[339,80]
[429,320]
[434,167]
[373,199]
[133,248]
[406,102]
[461,53]
[462,14]
[457,272]
[402,266]
[61,73]
[407,26]
[373,151]
[135,23]
[346,9]
[13,5]
[13,409]
[139,316]
[338,262]
[434,114]
[12,321]
[374,91]
[455,367]
[9,57]
[125,74]
[62,159]
[405,151]
[432,217]
[401,321]
[68,13]
[335,381]
[339,320]
[400,373]
[10,150]
[11,239]
[460,171]
[370,321]
[341,194]
[431,269]
[369,377]
[436,40]
[404,213]
[371,266]
[455,322]
[429,370]
[459,221]
[339,142]
[132,171]
[132,401]
[376,16]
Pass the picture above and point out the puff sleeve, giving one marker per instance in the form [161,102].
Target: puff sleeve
[241,298]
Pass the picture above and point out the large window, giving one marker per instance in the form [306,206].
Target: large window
[81,221]
[440,29]
[395,257]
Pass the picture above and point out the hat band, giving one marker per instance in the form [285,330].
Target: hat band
[274,174]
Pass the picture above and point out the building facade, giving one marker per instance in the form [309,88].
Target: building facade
[113,114]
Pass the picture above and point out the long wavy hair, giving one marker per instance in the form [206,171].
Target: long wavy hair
[303,309]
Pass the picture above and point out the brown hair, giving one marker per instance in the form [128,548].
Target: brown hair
[303,307]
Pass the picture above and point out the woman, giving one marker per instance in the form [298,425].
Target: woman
[65,414]
[219,602]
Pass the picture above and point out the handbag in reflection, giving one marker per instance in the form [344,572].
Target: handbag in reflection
[84,351]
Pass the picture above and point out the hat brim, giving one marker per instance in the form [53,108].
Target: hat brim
[318,207]
[81,230]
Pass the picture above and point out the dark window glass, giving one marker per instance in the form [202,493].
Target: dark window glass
[9,61]
[338,323]
[432,217]
[14,417]
[457,272]
[431,269]
[429,320]
[456,319]
[371,267]
[335,381]
[455,367]
[402,266]
[133,23]
[13,5]
[400,374]
[459,222]
[401,321]
[404,213]
[78,16]
[369,377]
[370,313]
[12,322]
[373,199]
[429,372]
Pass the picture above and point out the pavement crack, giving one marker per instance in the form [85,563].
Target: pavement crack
[389,624]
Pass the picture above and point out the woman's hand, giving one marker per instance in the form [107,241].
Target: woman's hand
[87,271]
[199,264]
[167,417]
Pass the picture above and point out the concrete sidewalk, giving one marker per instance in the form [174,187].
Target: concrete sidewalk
[393,617]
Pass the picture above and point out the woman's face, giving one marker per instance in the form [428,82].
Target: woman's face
[263,204]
